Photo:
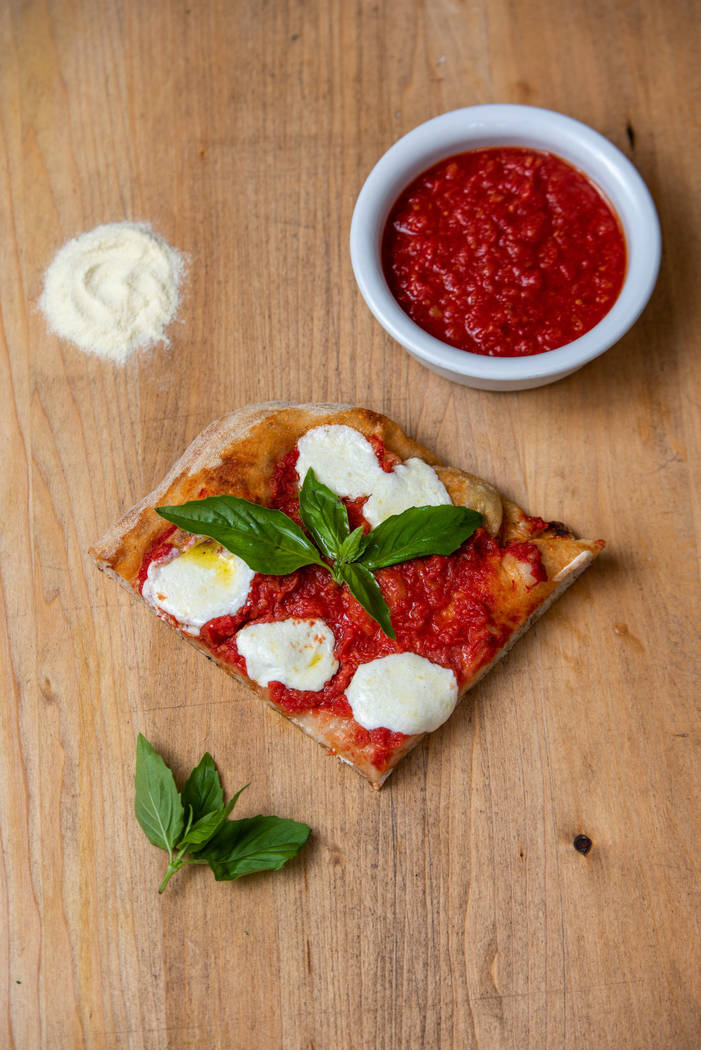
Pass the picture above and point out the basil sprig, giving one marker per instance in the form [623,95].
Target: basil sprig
[194,828]
[270,542]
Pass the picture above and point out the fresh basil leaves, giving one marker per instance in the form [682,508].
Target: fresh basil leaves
[266,539]
[203,790]
[324,515]
[270,542]
[194,827]
[353,545]
[417,532]
[159,808]
[253,844]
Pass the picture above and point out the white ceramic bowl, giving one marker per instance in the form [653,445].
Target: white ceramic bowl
[506,125]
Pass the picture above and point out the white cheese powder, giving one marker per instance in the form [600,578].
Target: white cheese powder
[113,289]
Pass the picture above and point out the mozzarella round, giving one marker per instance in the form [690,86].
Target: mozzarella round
[201,583]
[411,484]
[341,458]
[345,461]
[297,653]
[403,692]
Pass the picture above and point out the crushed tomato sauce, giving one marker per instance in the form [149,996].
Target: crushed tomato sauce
[160,550]
[442,607]
[504,252]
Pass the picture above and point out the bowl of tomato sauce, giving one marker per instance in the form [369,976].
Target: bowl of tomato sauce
[505,246]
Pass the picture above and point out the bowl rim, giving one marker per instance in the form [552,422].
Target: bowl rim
[476,127]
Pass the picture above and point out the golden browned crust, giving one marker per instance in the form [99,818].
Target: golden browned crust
[237,453]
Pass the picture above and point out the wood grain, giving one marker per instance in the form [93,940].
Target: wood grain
[451,910]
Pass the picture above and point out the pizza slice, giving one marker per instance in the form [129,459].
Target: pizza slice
[365,645]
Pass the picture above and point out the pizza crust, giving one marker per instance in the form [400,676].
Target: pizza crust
[237,453]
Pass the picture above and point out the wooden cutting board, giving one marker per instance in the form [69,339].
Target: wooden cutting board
[452,910]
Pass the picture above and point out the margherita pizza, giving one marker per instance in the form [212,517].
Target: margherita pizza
[286,544]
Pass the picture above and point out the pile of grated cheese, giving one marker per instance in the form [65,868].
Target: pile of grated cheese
[113,289]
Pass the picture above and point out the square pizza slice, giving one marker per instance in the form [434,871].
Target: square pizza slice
[286,544]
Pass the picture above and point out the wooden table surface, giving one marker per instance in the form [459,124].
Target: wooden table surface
[451,909]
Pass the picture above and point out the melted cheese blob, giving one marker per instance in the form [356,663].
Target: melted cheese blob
[203,582]
[345,461]
[341,458]
[297,653]
[411,484]
[404,692]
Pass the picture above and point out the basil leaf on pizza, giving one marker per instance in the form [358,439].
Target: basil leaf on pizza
[353,546]
[365,589]
[270,542]
[252,844]
[323,514]
[266,539]
[417,533]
